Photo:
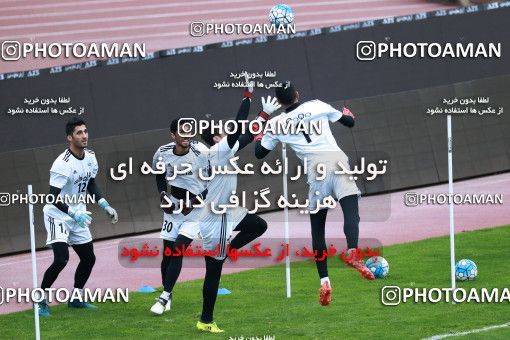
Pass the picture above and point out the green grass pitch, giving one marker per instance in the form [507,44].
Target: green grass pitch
[258,306]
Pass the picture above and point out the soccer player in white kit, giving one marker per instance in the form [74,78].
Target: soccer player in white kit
[217,229]
[319,148]
[72,175]
[179,229]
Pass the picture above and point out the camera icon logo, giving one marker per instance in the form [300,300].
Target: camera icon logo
[391,295]
[197,29]
[187,127]
[366,50]
[411,199]
[5,199]
[11,50]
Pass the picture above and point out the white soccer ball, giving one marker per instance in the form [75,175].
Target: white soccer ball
[465,270]
[378,266]
[281,15]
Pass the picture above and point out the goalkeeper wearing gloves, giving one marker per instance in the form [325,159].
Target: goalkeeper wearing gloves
[72,175]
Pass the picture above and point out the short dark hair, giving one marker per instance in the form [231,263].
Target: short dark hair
[173,125]
[72,123]
[286,94]
[208,135]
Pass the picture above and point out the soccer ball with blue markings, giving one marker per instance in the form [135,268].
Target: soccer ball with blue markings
[281,15]
[378,266]
[466,270]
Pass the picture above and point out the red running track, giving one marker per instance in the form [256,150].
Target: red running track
[404,224]
[162,24]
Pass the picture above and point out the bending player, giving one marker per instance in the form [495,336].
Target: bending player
[72,174]
[179,229]
[319,149]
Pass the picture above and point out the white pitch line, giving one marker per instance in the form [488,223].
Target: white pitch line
[484,329]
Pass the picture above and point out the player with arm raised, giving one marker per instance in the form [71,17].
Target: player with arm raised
[216,229]
[72,175]
[319,148]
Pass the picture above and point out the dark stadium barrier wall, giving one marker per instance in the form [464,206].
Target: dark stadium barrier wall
[392,126]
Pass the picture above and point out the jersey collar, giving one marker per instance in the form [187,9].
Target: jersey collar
[292,107]
[78,158]
[173,151]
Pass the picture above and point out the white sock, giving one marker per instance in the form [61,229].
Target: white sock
[165,296]
[324,279]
